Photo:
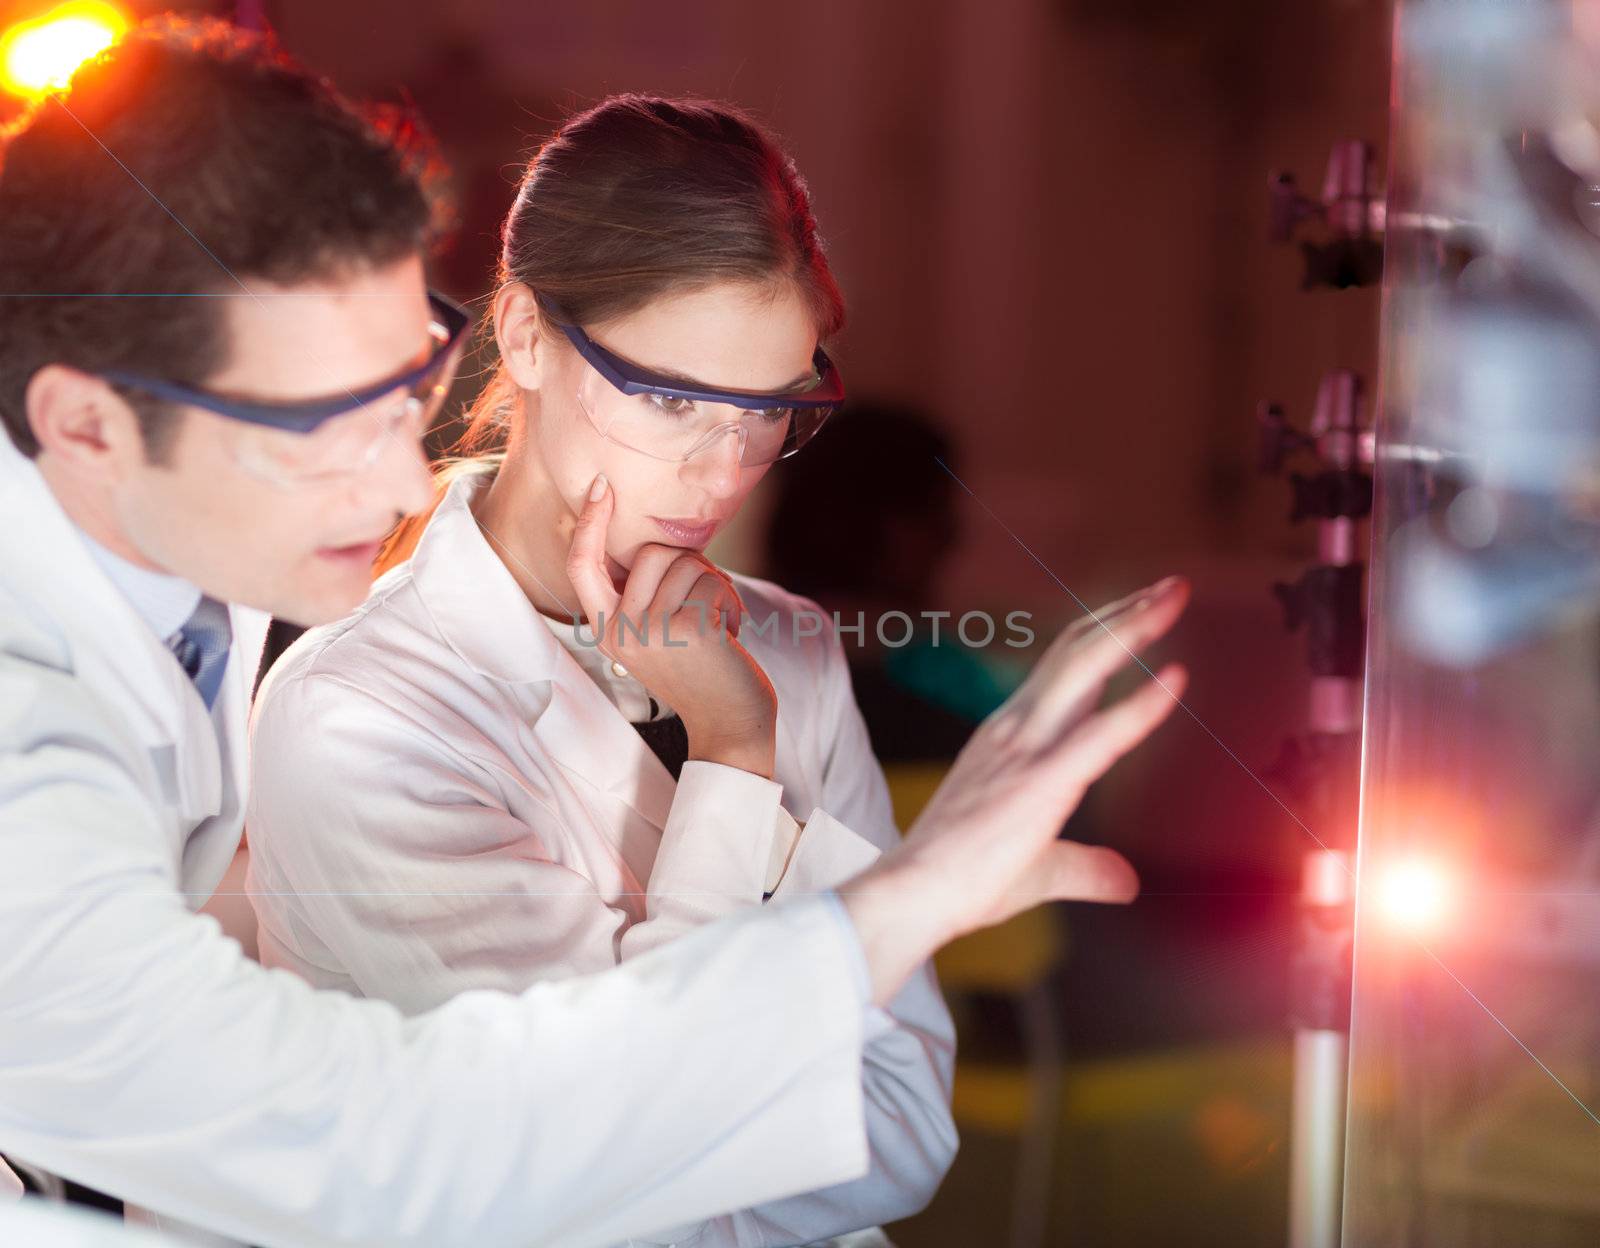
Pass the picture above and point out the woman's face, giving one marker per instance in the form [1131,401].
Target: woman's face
[731,335]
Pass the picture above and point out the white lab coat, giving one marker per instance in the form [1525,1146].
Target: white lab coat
[443,799]
[143,1054]
[37,1223]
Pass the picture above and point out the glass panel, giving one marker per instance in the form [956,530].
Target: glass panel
[1475,1036]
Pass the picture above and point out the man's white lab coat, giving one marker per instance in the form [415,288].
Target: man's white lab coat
[143,1054]
[443,799]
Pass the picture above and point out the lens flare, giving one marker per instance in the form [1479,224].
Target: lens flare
[41,55]
[1414,894]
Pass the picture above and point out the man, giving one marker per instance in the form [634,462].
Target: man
[217,355]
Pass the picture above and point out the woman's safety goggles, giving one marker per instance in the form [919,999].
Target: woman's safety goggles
[312,441]
[675,418]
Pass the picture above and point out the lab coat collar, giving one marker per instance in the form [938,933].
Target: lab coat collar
[45,554]
[486,619]
[44,557]
[471,596]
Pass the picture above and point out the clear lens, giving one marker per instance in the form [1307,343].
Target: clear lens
[339,447]
[345,445]
[678,429]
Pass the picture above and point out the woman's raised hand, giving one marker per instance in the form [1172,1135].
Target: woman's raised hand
[985,846]
[674,625]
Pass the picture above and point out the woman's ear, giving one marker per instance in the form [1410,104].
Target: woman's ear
[519,333]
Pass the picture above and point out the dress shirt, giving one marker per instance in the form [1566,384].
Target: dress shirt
[163,601]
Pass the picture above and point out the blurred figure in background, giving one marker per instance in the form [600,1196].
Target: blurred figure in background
[874,554]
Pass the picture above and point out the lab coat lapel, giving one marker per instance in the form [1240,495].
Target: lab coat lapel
[488,621]
[584,732]
[114,652]
[112,649]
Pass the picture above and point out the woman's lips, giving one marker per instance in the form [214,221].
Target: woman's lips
[686,532]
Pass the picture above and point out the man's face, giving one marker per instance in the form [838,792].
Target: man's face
[208,513]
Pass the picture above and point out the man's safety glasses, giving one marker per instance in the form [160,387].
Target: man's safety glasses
[312,441]
[674,419]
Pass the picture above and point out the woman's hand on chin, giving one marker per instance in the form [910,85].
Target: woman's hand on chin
[674,626]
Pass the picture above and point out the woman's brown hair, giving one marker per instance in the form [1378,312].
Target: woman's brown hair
[634,198]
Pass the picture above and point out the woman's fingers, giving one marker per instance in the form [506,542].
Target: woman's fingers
[728,608]
[1070,679]
[734,616]
[716,603]
[1074,872]
[651,563]
[586,558]
[680,578]
[1092,622]
[694,583]
[690,579]
[1069,871]
[1088,751]
[1059,658]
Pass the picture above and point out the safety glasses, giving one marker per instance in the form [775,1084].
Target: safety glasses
[673,419]
[310,441]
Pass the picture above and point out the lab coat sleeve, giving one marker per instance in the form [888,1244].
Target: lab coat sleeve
[377,847]
[714,854]
[142,1054]
[910,1051]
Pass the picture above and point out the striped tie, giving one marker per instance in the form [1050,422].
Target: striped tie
[201,647]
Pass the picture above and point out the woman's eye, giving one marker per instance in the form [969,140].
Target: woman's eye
[669,406]
[775,415]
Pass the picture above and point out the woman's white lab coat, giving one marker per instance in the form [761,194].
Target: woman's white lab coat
[444,800]
[143,1054]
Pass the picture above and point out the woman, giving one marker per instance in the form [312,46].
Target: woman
[457,788]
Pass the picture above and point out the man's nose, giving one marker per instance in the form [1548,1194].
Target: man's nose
[403,476]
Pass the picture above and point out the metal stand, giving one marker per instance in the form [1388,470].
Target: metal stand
[1321,1018]
[1321,768]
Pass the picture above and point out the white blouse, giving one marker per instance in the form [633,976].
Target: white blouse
[443,799]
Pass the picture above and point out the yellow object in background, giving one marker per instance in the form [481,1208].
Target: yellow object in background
[1009,958]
